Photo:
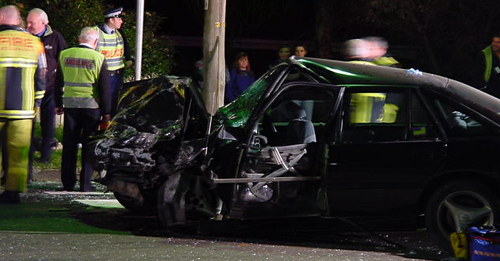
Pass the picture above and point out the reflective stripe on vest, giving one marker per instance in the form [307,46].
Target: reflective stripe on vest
[113,48]
[81,68]
[19,54]
[19,62]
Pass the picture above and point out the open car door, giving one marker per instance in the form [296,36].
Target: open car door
[280,171]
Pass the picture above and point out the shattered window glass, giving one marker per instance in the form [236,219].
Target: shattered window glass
[237,112]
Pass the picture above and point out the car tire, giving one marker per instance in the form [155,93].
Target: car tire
[139,204]
[182,203]
[171,202]
[457,205]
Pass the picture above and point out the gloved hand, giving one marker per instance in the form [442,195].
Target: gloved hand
[104,122]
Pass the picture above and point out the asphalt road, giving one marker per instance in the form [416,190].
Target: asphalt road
[53,225]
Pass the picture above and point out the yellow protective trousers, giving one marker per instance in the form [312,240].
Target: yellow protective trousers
[18,140]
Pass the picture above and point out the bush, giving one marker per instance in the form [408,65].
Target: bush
[158,52]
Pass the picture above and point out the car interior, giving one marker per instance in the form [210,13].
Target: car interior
[287,135]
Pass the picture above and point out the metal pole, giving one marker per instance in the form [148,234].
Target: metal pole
[138,37]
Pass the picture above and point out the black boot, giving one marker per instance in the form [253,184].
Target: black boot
[10,197]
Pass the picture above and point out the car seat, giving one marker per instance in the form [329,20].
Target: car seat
[299,130]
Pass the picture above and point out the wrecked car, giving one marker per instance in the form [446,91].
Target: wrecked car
[311,137]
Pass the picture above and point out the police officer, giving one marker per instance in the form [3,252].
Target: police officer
[22,84]
[82,93]
[115,48]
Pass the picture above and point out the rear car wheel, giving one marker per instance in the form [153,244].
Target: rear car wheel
[457,205]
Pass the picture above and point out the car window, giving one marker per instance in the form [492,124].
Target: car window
[457,121]
[236,113]
[422,124]
[374,117]
[298,116]
[384,117]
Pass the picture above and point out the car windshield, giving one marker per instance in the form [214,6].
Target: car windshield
[236,113]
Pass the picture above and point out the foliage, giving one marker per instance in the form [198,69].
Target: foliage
[56,159]
[158,52]
[70,16]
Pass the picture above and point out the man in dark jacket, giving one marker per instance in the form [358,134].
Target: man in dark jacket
[54,43]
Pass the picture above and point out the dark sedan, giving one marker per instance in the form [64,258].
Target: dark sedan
[311,137]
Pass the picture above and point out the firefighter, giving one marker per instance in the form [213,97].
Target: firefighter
[82,93]
[22,86]
[115,48]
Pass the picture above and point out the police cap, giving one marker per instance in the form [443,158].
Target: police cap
[114,12]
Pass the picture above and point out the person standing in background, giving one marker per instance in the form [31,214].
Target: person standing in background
[284,52]
[487,75]
[378,52]
[240,77]
[300,50]
[38,25]
[82,93]
[114,47]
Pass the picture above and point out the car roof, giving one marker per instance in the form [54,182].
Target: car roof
[341,72]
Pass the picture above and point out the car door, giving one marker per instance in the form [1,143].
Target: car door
[280,173]
[387,146]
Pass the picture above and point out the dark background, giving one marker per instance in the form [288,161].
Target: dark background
[437,36]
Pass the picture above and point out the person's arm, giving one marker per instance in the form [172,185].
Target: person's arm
[129,59]
[40,79]
[104,90]
[58,90]
[229,92]
[61,44]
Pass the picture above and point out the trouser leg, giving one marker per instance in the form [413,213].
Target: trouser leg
[116,82]
[18,144]
[5,160]
[90,124]
[47,124]
[31,154]
[71,137]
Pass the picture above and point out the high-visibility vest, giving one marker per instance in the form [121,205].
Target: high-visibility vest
[488,59]
[386,61]
[81,68]
[19,54]
[112,47]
